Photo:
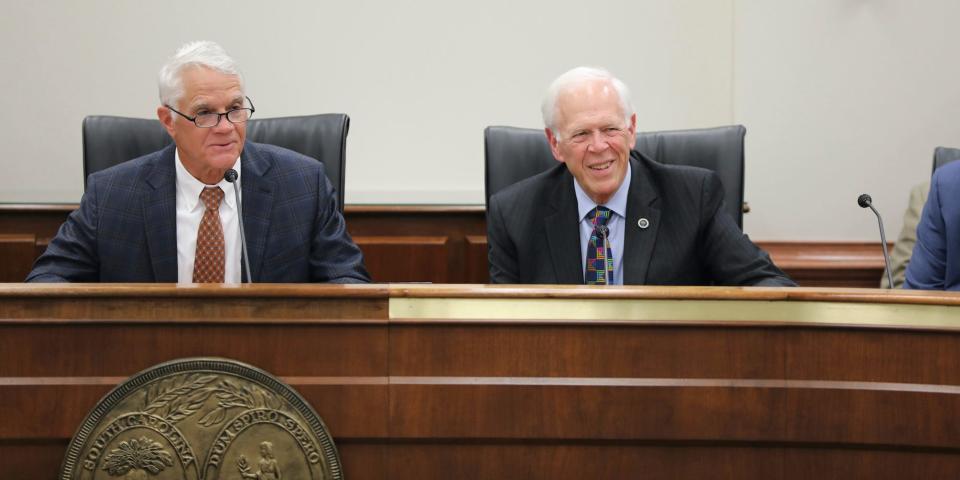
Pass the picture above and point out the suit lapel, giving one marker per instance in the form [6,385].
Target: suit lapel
[564,247]
[642,205]
[159,208]
[258,195]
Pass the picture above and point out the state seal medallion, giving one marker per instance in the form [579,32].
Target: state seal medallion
[202,419]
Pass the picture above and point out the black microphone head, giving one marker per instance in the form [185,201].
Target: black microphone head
[230,175]
[863,200]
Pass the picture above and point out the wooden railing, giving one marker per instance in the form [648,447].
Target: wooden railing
[444,244]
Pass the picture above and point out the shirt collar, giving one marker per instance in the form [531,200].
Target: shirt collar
[189,187]
[617,203]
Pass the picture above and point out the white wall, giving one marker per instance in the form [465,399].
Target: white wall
[842,97]
[420,80]
[838,96]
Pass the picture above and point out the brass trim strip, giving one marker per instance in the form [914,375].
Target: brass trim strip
[57,381]
[544,381]
[112,381]
[680,383]
[763,313]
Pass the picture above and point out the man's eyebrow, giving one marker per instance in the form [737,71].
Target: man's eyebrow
[200,106]
[203,105]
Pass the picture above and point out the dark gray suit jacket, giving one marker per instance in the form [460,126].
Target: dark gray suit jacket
[532,228]
[126,231]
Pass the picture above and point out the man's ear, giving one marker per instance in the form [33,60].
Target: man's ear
[633,125]
[166,118]
[553,141]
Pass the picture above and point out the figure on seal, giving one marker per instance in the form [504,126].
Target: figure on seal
[269,470]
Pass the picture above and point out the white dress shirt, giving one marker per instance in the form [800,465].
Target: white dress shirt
[618,214]
[189,214]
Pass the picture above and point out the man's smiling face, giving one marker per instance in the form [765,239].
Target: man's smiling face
[592,137]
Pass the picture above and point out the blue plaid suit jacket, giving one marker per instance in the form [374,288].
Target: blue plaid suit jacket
[125,229]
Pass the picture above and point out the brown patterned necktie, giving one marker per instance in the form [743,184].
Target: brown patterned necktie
[209,260]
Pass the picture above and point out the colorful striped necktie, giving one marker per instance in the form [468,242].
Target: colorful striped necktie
[599,268]
[209,260]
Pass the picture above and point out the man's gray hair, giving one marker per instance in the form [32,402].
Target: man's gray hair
[194,54]
[575,77]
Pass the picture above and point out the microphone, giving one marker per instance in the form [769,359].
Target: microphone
[604,231]
[865,201]
[231,176]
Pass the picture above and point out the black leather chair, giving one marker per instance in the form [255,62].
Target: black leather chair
[108,140]
[512,154]
[944,155]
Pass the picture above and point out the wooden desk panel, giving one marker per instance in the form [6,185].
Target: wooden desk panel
[658,462]
[41,459]
[16,254]
[584,350]
[419,258]
[829,264]
[62,348]
[448,381]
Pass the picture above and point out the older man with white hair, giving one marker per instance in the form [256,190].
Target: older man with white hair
[608,214]
[171,216]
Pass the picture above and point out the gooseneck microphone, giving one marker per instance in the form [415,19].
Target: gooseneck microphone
[604,231]
[865,201]
[231,176]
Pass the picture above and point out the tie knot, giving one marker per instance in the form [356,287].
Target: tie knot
[211,197]
[599,215]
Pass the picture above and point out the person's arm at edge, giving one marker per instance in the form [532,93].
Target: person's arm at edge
[732,257]
[501,252]
[71,255]
[927,267]
[334,257]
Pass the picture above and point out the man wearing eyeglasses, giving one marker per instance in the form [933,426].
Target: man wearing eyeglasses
[611,216]
[170,216]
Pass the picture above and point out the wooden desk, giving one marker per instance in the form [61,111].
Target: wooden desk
[461,381]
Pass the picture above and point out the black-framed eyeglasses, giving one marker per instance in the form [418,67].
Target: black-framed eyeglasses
[210,120]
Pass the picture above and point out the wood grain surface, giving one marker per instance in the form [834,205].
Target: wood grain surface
[440,397]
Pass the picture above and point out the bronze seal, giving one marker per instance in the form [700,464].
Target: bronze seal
[202,419]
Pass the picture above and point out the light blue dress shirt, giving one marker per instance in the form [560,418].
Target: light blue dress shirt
[618,206]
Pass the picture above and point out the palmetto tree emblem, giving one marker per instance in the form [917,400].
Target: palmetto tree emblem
[137,457]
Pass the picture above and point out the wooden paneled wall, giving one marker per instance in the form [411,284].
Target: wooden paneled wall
[444,244]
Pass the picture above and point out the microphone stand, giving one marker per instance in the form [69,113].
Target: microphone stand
[865,201]
[606,251]
[231,177]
